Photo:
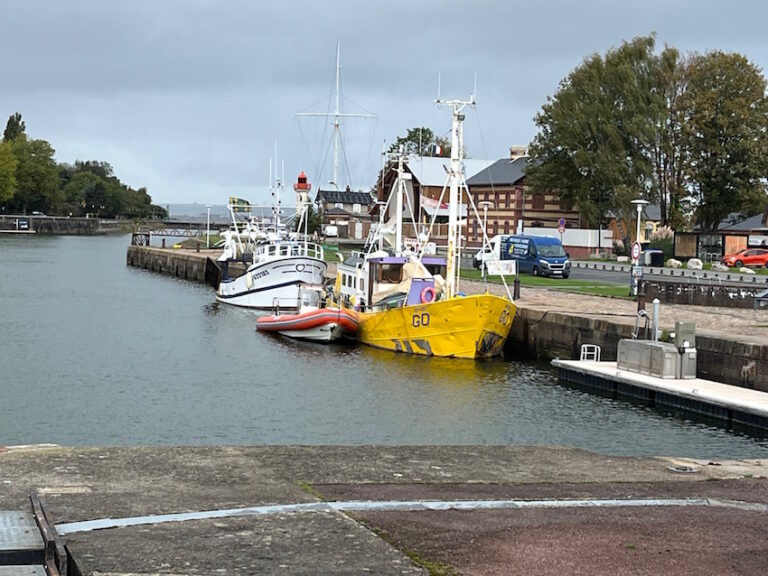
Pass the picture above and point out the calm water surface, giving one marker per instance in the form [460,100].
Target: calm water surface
[93,352]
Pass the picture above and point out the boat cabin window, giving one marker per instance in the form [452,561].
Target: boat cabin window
[436,269]
[390,273]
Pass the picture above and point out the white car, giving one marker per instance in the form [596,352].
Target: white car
[331,231]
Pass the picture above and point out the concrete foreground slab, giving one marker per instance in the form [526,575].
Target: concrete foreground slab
[79,484]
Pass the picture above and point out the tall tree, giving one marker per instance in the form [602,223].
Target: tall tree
[14,128]
[422,142]
[80,187]
[726,135]
[667,150]
[594,133]
[37,177]
[8,164]
[101,169]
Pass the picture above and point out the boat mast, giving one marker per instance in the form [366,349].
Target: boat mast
[455,179]
[336,127]
[337,115]
[276,187]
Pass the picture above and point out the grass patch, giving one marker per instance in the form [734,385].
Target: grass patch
[309,489]
[330,253]
[573,285]
[434,568]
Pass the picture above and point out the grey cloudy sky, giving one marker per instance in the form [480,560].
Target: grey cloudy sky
[188,97]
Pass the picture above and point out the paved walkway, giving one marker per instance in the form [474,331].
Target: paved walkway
[629,536]
[735,323]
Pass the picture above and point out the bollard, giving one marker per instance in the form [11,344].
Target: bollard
[163,242]
[656,303]
[516,289]
[197,247]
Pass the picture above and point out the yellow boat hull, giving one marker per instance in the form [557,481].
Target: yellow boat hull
[473,326]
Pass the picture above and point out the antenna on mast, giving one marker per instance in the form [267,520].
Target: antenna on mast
[439,80]
[473,96]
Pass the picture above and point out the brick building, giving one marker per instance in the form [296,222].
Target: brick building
[510,205]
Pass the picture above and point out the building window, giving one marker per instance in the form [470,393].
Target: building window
[538,201]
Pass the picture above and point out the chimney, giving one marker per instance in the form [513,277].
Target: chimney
[516,152]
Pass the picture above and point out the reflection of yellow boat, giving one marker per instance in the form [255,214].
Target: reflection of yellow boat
[462,327]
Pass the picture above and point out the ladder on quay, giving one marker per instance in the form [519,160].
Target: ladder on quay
[29,544]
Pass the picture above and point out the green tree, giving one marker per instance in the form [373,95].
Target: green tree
[101,169]
[422,142]
[80,187]
[8,164]
[596,131]
[37,176]
[14,128]
[314,221]
[726,137]
[667,149]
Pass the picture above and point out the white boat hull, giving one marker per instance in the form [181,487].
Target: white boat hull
[325,333]
[273,284]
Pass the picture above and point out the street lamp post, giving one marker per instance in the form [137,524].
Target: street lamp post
[208,226]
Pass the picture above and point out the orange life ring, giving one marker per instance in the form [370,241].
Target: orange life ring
[427,295]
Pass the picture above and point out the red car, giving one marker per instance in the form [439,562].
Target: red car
[747,257]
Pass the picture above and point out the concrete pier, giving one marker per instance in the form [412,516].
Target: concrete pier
[585,513]
[177,263]
[729,404]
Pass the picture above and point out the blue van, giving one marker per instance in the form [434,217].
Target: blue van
[537,255]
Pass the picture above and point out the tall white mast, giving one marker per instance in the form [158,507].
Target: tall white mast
[455,179]
[337,114]
[276,187]
[336,127]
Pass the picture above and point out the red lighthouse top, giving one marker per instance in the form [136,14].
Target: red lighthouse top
[302,183]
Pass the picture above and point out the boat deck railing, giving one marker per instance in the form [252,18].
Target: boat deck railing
[286,249]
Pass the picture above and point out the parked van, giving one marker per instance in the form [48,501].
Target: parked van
[538,255]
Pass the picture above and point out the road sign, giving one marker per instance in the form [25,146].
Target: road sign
[561,226]
[636,250]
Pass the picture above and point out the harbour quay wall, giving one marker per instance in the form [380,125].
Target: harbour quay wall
[183,264]
[544,334]
[62,226]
